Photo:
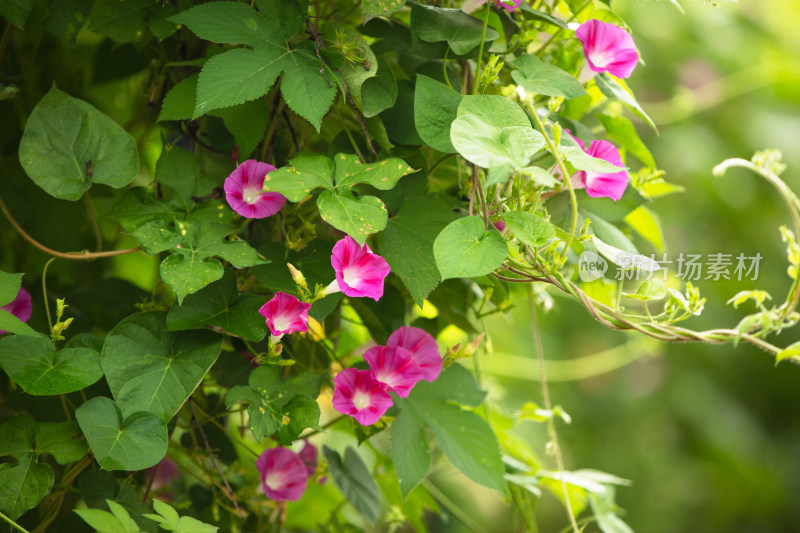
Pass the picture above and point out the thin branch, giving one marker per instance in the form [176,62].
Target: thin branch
[231,495]
[551,425]
[97,235]
[84,255]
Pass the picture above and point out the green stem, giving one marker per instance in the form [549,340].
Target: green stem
[350,136]
[573,200]
[479,70]
[44,294]
[444,68]
[453,508]
[551,426]
[13,524]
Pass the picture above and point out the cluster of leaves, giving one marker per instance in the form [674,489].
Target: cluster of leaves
[385,126]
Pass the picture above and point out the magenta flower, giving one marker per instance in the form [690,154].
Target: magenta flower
[357,394]
[309,457]
[283,474]
[359,272]
[162,474]
[285,314]
[507,6]
[21,306]
[394,367]
[423,349]
[608,48]
[245,194]
[599,184]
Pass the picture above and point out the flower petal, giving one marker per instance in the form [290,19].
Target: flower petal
[423,349]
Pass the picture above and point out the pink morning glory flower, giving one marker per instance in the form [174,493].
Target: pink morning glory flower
[358,394]
[423,349]
[283,474]
[608,48]
[245,194]
[21,306]
[394,367]
[309,457]
[285,314]
[359,272]
[599,184]
[508,6]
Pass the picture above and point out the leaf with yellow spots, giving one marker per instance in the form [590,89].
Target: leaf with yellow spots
[382,175]
[283,405]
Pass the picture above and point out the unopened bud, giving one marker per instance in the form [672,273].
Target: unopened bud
[297,276]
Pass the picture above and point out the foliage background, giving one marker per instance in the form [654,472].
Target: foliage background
[708,434]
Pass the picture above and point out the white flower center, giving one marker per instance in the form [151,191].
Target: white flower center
[361,400]
[281,322]
[350,276]
[251,196]
[602,58]
[274,480]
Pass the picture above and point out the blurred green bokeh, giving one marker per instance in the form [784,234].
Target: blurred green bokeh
[709,435]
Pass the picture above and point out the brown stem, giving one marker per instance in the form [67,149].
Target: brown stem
[84,255]
[231,495]
[97,235]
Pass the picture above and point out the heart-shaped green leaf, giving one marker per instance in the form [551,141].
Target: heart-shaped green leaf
[68,145]
[137,442]
[151,369]
[36,366]
[466,249]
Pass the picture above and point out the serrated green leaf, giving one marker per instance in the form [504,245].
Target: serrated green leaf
[180,100]
[240,75]
[407,242]
[16,11]
[36,366]
[435,109]
[461,31]
[65,137]
[135,443]
[154,370]
[229,23]
[220,305]
[530,228]
[539,77]
[466,249]
[355,482]
[358,217]
[235,77]
[411,454]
